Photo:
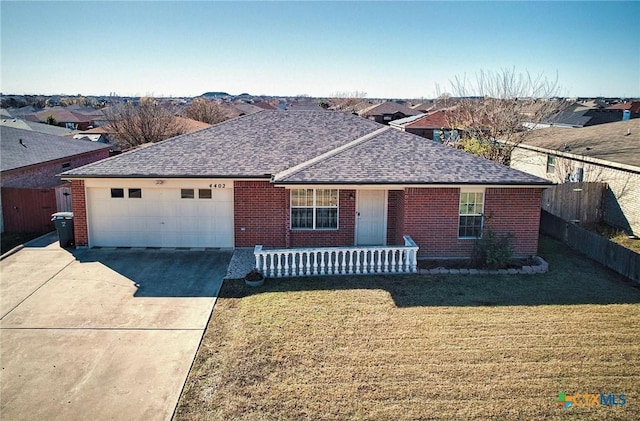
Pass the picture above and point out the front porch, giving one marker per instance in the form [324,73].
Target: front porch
[318,261]
[348,260]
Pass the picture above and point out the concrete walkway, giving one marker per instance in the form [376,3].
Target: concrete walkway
[101,334]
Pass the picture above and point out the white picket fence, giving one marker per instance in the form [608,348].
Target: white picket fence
[353,260]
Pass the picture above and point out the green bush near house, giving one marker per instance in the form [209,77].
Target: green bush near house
[493,251]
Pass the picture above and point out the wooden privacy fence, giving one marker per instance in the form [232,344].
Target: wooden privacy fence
[28,210]
[576,202]
[620,259]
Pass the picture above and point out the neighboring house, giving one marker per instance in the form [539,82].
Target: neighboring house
[424,107]
[436,105]
[17,123]
[29,165]
[243,108]
[434,126]
[387,112]
[579,115]
[304,105]
[265,105]
[633,107]
[190,125]
[604,153]
[100,138]
[96,115]
[107,134]
[298,179]
[62,117]
[21,112]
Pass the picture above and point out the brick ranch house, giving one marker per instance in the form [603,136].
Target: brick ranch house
[302,179]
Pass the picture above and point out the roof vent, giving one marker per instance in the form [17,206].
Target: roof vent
[628,132]
[20,140]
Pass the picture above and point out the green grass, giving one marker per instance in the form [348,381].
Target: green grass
[420,347]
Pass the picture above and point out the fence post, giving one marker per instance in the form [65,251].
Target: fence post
[257,251]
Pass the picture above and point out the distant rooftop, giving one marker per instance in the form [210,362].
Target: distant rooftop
[21,148]
[617,142]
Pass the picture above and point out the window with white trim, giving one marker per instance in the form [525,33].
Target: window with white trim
[314,209]
[471,214]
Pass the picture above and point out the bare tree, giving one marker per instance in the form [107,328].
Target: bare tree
[496,111]
[149,122]
[348,101]
[207,111]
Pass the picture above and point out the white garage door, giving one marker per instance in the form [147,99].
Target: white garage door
[160,217]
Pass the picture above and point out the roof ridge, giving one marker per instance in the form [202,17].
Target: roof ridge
[306,164]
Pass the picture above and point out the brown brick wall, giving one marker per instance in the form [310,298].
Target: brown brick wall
[79,205]
[516,211]
[431,219]
[395,217]
[263,211]
[260,214]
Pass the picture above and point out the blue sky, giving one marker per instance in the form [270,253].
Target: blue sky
[386,49]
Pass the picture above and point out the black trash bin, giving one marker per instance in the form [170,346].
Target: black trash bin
[64,225]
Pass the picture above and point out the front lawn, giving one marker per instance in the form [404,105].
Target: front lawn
[421,347]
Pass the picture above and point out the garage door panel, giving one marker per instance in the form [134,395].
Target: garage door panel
[222,195]
[161,218]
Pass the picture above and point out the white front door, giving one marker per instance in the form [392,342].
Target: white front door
[371,217]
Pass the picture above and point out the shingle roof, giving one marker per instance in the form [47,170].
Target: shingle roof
[633,106]
[395,157]
[61,115]
[262,143]
[17,123]
[406,120]
[389,107]
[306,146]
[247,108]
[607,142]
[38,147]
[573,115]
[434,120]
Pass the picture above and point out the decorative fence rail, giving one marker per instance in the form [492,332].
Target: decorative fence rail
[314,261]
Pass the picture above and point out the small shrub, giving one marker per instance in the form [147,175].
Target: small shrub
[493,251]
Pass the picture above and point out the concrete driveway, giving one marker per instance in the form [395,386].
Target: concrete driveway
[101,334]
